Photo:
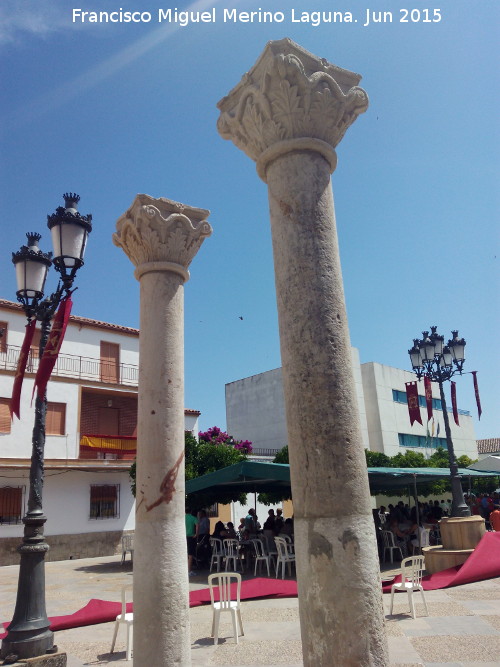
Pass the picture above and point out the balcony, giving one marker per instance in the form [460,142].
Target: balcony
[108,447]
[72,366]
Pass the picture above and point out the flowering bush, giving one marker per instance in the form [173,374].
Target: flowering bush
[215,436]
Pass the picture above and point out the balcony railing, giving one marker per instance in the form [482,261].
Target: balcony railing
[73,366]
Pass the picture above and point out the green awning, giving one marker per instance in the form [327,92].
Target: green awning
[253,476]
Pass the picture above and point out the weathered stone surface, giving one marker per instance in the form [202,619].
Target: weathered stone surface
[288,113]
[161,238]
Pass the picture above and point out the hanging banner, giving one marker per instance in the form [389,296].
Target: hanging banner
[428,396]
[15,401]
[454,401]
[413,406]
[476,391]
[54,342]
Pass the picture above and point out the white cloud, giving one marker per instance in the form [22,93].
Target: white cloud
[20,19]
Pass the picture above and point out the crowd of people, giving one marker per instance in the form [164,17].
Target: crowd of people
[408,526]
[198,532]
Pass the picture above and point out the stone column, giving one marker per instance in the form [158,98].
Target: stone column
[288,114]
[161,237]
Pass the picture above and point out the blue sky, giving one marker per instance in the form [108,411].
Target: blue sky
[111,110]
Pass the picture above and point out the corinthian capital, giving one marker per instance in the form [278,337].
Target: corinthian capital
[290,98]
[161,233]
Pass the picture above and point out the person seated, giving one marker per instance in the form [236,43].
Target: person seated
[270,523]
[251,522]
[495,518]
[230,531]
[288,527]
[400,532]
[219,529]
[241,527]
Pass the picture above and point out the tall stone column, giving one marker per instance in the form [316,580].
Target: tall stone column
[161,237]
[288,114]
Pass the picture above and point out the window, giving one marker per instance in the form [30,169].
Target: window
[11,504]
[213,510]
[104,501]
[55,422]
[409,440]
[110,362]
[3,336]
[5,415]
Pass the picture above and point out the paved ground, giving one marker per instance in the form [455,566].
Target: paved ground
[462,629]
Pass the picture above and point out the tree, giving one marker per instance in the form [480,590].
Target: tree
[273,498]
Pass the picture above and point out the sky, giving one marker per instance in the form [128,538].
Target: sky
[109,110]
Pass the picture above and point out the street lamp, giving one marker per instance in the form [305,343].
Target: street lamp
[29,634]
[431,358]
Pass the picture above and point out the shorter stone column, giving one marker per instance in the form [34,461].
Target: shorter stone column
[161,237]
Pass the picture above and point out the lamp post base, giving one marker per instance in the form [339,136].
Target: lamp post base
[47,660]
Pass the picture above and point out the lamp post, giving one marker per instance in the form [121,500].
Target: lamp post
[29,634]
[431,358]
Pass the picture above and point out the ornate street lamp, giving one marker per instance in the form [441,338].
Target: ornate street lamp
[431,358]
[29,634]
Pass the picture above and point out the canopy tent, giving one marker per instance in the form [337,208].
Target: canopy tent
[253,476]
[488,464]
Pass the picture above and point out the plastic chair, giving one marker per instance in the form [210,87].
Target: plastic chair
[261,556]
[226,601]
[285,557]
[424,539]
[389,544]
[127,546]
[232,553]
[127,619]
[411,580]
[217,553]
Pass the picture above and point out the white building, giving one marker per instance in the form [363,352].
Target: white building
[255,411]
[90,437]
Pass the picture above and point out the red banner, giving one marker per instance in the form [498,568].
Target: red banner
[15,400]
[54,342]
[454,401]
[413,406]
[428,396]
[476,391]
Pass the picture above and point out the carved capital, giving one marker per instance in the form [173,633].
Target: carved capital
[162,234]
[291,96]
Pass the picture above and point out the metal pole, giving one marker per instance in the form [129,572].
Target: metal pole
[29,634]
[459,507]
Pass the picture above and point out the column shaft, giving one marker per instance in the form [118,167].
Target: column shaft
[338,576]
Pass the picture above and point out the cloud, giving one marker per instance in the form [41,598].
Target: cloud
[20,19]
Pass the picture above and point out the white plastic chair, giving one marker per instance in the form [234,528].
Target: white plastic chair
[226,602]
[285,557]
[232,554]
[127,619]
[217,553]
[424,539]
[127,546]
[411,580]
[261,556]
[390,545]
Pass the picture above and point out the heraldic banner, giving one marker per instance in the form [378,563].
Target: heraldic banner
[54,342]
[15,401]
[413,406]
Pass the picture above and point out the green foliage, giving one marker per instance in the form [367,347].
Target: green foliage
[377,459]
[132,473]
[277,497]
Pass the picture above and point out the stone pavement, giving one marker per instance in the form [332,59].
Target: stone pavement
[462,629]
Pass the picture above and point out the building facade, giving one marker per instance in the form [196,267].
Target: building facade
[90,437]
[255,410]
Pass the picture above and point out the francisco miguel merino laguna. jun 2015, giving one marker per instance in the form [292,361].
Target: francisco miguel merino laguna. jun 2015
[212,15]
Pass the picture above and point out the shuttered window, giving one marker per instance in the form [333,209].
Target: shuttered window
[110,362]
[55,423]
[3,336]
[104,501]
[11,504]
[4,415]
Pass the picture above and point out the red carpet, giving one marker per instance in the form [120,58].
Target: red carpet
[102,611]
[483,563]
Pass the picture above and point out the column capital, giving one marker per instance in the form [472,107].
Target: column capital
[161,234]
[290,100]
